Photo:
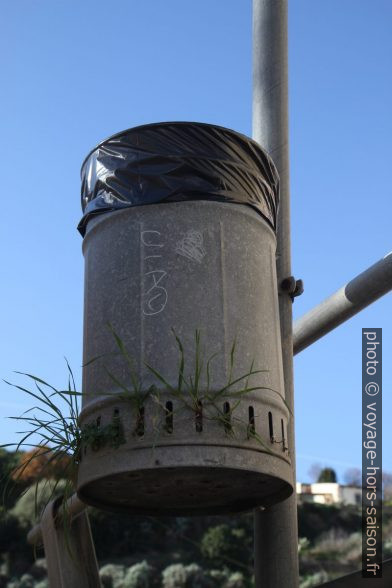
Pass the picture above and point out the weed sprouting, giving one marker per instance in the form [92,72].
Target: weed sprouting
[54,418]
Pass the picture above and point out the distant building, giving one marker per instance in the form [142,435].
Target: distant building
[328,493]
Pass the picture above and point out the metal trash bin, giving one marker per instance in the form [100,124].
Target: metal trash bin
[183,398]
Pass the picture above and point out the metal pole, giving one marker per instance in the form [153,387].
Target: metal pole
[73,508]
[345,303]
[276,534]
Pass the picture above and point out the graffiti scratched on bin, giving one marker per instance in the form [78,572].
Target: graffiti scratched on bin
[191,246]
[154,276]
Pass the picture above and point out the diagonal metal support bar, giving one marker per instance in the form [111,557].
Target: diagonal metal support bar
[69,548]
[73,508]
[345,303]
[356,581]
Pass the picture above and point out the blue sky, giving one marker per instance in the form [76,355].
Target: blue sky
[75,72]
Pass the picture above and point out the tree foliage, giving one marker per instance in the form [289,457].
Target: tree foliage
[174,576]
[9,460]
[224,545]
[139,575]
[327,475]
[29,506]
[41,463]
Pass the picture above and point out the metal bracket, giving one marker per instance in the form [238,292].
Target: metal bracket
[292,287]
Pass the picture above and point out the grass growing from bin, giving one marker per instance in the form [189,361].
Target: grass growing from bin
[53,419]
[193,390]
[56,427]
[54,416]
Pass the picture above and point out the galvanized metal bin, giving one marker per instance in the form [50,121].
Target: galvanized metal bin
[181,311]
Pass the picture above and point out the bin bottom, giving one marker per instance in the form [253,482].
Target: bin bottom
[185,471]
[184,491]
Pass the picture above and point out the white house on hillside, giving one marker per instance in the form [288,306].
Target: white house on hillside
[328,493]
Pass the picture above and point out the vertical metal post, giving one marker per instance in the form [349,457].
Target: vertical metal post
[276,534]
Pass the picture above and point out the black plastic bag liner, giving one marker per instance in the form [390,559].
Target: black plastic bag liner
[176,161]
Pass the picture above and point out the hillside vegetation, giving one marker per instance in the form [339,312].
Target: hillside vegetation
[194,552]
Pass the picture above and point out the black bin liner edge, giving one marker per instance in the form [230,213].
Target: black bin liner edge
[177,161]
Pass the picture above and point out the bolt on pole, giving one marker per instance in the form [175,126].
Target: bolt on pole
[276,535]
